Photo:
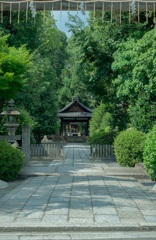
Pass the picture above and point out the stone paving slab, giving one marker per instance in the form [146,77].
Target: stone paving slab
[79,235]
[78,162]
[80,205]
[66,201]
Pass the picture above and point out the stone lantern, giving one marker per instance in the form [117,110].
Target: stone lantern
[12,115]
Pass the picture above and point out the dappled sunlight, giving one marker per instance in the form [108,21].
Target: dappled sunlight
[79,194]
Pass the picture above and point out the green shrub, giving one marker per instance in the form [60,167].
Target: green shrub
[128,147]
[11,161]
[149,155]
[103,138]
[101,121]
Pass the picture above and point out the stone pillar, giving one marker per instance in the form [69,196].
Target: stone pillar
[26,143]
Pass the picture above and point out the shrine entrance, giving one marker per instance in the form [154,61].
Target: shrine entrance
[75,119]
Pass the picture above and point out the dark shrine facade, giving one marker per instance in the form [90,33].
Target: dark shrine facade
[75,119]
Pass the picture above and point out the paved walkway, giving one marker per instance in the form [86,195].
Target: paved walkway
[79,194]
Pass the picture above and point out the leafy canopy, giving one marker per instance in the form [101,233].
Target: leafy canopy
[14,62]
[135,68]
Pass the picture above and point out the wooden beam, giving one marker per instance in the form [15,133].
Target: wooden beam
[56,5]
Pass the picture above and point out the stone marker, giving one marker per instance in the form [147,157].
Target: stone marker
[45,140]
[3,184]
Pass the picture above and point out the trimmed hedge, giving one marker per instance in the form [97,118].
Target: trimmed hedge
[128,147]
[149,154]
[11,161]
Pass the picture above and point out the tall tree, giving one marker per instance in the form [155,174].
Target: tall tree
[72,84]
[14,62]
[47,45]
[135,67]
[97,43]
[23,32]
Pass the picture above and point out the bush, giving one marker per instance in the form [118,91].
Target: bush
[96,120]
[11,161]
[128,147]
[103,138]
[149,155]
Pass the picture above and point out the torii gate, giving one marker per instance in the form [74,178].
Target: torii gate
[131,6]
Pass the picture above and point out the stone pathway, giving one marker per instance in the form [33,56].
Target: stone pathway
[77,193]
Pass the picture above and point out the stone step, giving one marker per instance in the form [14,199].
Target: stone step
[130,235]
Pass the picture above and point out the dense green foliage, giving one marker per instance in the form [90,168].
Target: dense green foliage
[101,126]
[110,66]
[96,120]
[14,62]
[104,63]
[25,119]
[96,63]
[103,137]
[72,75]
[11,161]
[149,154]
[135,66]
[39,95]
[97,42]
[128,147]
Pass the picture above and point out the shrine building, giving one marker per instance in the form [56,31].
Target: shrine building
[75,119]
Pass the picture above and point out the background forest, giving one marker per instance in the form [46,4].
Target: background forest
[110,66]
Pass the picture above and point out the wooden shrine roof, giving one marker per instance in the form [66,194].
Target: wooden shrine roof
[74,111]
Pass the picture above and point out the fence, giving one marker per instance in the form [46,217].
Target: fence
[99,151]
[47,150]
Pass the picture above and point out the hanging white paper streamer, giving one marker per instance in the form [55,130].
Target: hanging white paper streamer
[32,9]
[82,8]
[133,7]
